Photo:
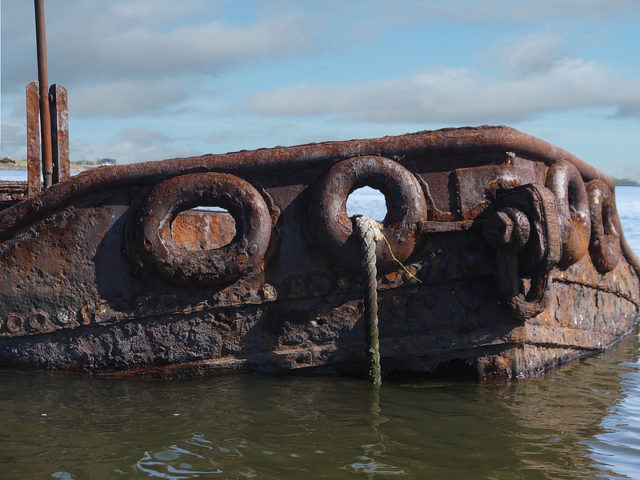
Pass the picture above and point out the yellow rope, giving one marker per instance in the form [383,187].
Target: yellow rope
[398,261]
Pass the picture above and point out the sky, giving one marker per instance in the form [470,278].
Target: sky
[157,79]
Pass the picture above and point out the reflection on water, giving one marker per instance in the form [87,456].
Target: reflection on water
[252,426]
[618,447]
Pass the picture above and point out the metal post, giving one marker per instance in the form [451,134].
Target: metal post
[59,132]
[34,167]
[45,115]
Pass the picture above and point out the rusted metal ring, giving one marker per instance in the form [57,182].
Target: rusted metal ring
[605,226]
[192,268]
[406,207]
[566,183]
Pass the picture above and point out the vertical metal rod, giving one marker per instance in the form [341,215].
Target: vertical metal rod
[43,82]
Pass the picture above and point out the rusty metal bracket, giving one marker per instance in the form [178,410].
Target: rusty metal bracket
[524,229]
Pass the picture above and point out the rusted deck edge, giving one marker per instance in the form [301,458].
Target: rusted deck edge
[478,139]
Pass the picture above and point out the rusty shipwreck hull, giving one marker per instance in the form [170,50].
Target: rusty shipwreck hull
[513,252]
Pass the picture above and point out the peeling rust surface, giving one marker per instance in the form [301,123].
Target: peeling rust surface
[605,226]
[59,133]
[565,182]
[33,140]
[11,192]
[114,272]
[201,230]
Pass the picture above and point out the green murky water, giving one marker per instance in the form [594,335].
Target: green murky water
[580,421]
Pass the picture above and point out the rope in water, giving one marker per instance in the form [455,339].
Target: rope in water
[369,233]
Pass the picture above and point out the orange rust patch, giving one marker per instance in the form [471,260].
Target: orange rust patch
[203,230]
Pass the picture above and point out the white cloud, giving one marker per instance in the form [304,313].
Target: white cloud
[534,79]
[163,49]
[143,136]
[128,145]
[127,97]
[277,134]
[529,54]
[131,145]
[206,48]
[12,136]
[497,11]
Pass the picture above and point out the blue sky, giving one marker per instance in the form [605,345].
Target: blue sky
[155,79]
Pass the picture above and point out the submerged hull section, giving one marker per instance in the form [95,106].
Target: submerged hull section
[512,249]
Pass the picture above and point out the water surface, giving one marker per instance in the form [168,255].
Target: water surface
[575,422]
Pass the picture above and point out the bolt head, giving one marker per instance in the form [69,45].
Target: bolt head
[498,229]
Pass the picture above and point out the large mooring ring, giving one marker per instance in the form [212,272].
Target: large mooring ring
[566,183]
[206,267]
[406,207]
[605,226]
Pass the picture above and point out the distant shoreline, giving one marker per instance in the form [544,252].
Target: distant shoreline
[23,168]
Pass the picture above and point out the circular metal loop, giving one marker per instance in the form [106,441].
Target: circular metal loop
[406,207]
[207,267]
[566,183]
[605,226]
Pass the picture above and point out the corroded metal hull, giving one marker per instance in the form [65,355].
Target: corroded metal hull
[513,253]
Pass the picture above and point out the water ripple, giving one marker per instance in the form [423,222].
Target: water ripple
[181,462]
